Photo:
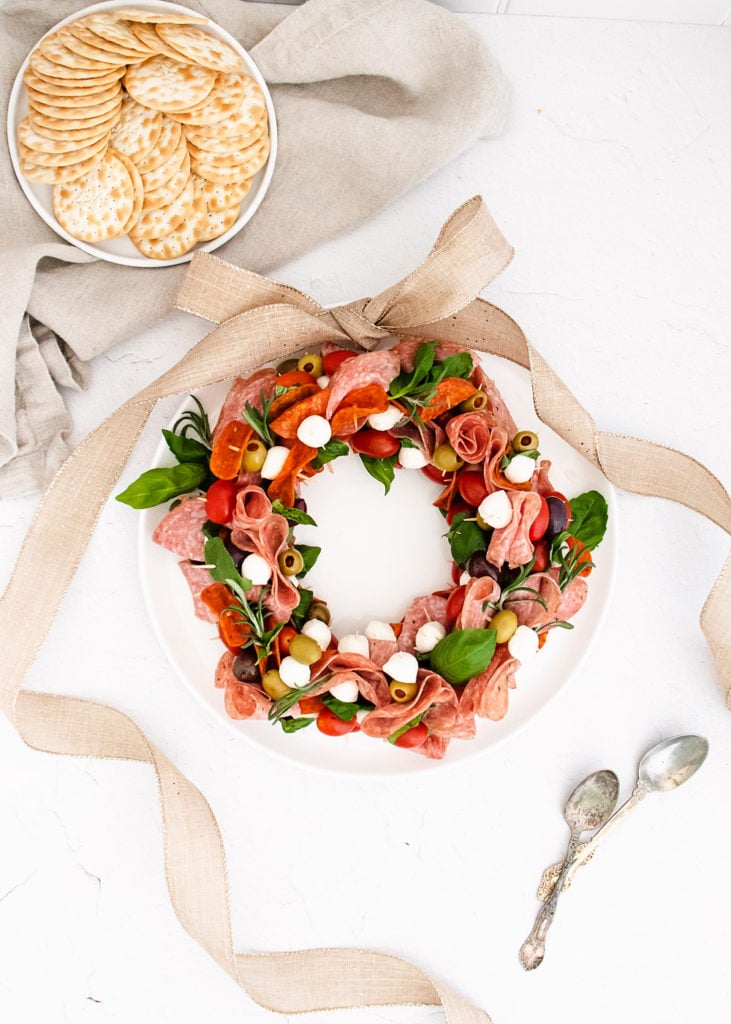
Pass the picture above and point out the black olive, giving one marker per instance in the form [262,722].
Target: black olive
[301,504]
[245,667]
[506,575]
[558,517]
[478,565]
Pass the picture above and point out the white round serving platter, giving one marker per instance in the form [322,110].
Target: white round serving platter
[379,552]
[121,250]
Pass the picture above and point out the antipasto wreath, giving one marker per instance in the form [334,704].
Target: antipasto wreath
[521,550]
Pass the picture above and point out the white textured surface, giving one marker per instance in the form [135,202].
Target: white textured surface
[612,184]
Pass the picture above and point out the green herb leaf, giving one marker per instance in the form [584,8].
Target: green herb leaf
[423,361]
[589,522]
[224,570]
[332,450]
[300,613]
[259,421]
[310,553]
[463,654]
[405,728]
[293,515]
[185,449]
[210,529]
[406,442]
[295,724]
[197,422]
[465,538]
[346,711]
[158,485]
[458,365]
[380,469]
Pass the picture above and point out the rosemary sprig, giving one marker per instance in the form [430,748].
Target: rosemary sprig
[570,560]
[512,587]
[287,702]
[259,421]
[195,422]
[253,616]
[530,590]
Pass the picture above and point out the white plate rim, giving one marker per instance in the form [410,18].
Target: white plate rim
[409,765]
[18,92]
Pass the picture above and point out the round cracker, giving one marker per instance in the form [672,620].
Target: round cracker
[142,17]
[32,140]
[98,205]
[86,124]
[234,171]
[218,223]
[161,221]
[86,47]
[224,99]
[80,136]
[164,172]
[221,146]
[57,175]
[43,66]
[138,188]
[205,49]
[91,98]
[170,138]
[136,132]
[169,191]
[109,27]
[250,155]
[167,85]
[59,159]
[149,36]
[54,50]
[70,86]
[222,195]
[64,113]
[246,119]
[179,241]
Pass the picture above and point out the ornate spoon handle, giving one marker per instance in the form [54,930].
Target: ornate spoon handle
[534,948]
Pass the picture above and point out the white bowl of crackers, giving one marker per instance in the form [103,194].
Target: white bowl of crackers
[140,132]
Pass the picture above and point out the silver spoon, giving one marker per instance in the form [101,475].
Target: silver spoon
[587,808]
[664,767]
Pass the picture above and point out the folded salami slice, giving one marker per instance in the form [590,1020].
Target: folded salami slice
[420,611]
[242,700]
[252,390]
[198,578]
[572,599]
[368,368]
[498,411]
[537,602]
[435,699]
[487,694]
[258,530]
[180,530]
[476,613]
[470,435]
[511,543]
[341,668]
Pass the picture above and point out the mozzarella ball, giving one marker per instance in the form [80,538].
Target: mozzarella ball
[323,381]
[496,509]
[520,469]
[428,636]
[411,458]
[294,673]
[274,461]
[376,630]
[314,431]
[523,644]
[385,420]
[464,578]
[402,667]
[354,643]
[346,692]
[256,569]
[319,631]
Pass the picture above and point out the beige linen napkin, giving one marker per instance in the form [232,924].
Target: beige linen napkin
[371,96]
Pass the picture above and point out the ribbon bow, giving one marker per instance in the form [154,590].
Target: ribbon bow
[261,321]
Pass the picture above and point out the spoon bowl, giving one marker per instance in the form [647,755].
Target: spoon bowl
[592,801]
[671,763]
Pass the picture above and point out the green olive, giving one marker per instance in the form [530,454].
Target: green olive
[474,403]
[273,685]
[402,692]
[481,522]
[310,363]
[304,649]
[291,562]
[287,366]
[254,455]
[505,624]
[319,610]
[525,441]
[446,458]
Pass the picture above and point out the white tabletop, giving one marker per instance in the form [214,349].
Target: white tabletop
[612,184]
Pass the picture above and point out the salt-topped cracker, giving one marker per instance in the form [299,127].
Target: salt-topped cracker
[109,27]
[43,66]
[55,175]
[234,171]
[160,222]
[30,138]
[86,46]
[54,50]
[166,85]
[218,222]
[173,17]
[170,138]
[59,159]
[70,86]
[244,120]
[137,130]
[85,124]
[182,239]
[74,113]
[224,99]
[239,158]
[170,189]
[138,189]
[221,146]
[222,195]
[164,172]
[202,47]
[97,205]
[88,98]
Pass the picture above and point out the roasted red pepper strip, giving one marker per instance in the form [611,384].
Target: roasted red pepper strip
[450,392]
[448,495]
[235,631]
[292,397]
[228,451]
[293,379]
[314,404]
[282,486]
[217,597]
[356,407]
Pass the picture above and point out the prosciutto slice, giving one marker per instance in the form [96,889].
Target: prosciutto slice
[256,529]
[487,694]
[368,368]
[511,543]
[242,700]
[470,435]
[420,611]
[180,530]
[198,578]
[497,447]
[530,611]
[498,411]
[478,593]
[435,697]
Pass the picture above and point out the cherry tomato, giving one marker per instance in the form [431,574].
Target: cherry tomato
[541,553]
[377,443]
[459,506]
[331,725]
[282,641]
[415,737]
[471,485]
[584,556]
[332,360]
[455,603]
[293,379]
[435,474]
[564,499]
[221,501]
[540,524]
[456,573]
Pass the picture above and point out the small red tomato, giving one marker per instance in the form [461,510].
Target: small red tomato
[434,474]
[221,501]
[564,499]
[455,603]
[458,506]
[379,444]
[283,639]
[540,524]
[456,573]
[471,485]
[541,553]
[331,725]
[415,737]
[332,360]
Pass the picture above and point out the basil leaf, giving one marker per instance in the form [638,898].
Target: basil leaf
[223,564]
[345,710]
[185,449]
[423,361]
[458,365]
[332,450]
[380,469]
[294,515]
[463,654]
[406,442]
[210,529]
[310,553]
[465,538]
[295,724]
[405,728]
[300,613]
[589,518]
[158,485]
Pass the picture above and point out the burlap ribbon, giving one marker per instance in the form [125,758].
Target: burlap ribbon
[260,321]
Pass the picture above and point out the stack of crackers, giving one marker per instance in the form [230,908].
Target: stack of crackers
[146,125]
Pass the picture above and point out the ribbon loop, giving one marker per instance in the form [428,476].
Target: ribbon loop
[351,319]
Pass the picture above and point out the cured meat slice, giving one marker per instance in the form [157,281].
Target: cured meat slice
[284,486]
[368,368]
[180,530]
[356,407]
[435,747]
[245,390]
[540,481]
[381,650]
[428,436]
[497,447]
[198,579]
[420,611]
[487,694]
[435,697]
[572,599]
[371,682]
[476,613]
[252,508]
[511,543]
[406,350]
[259,530]
[530,610]
[470,435]
[242,700]
[498,411]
